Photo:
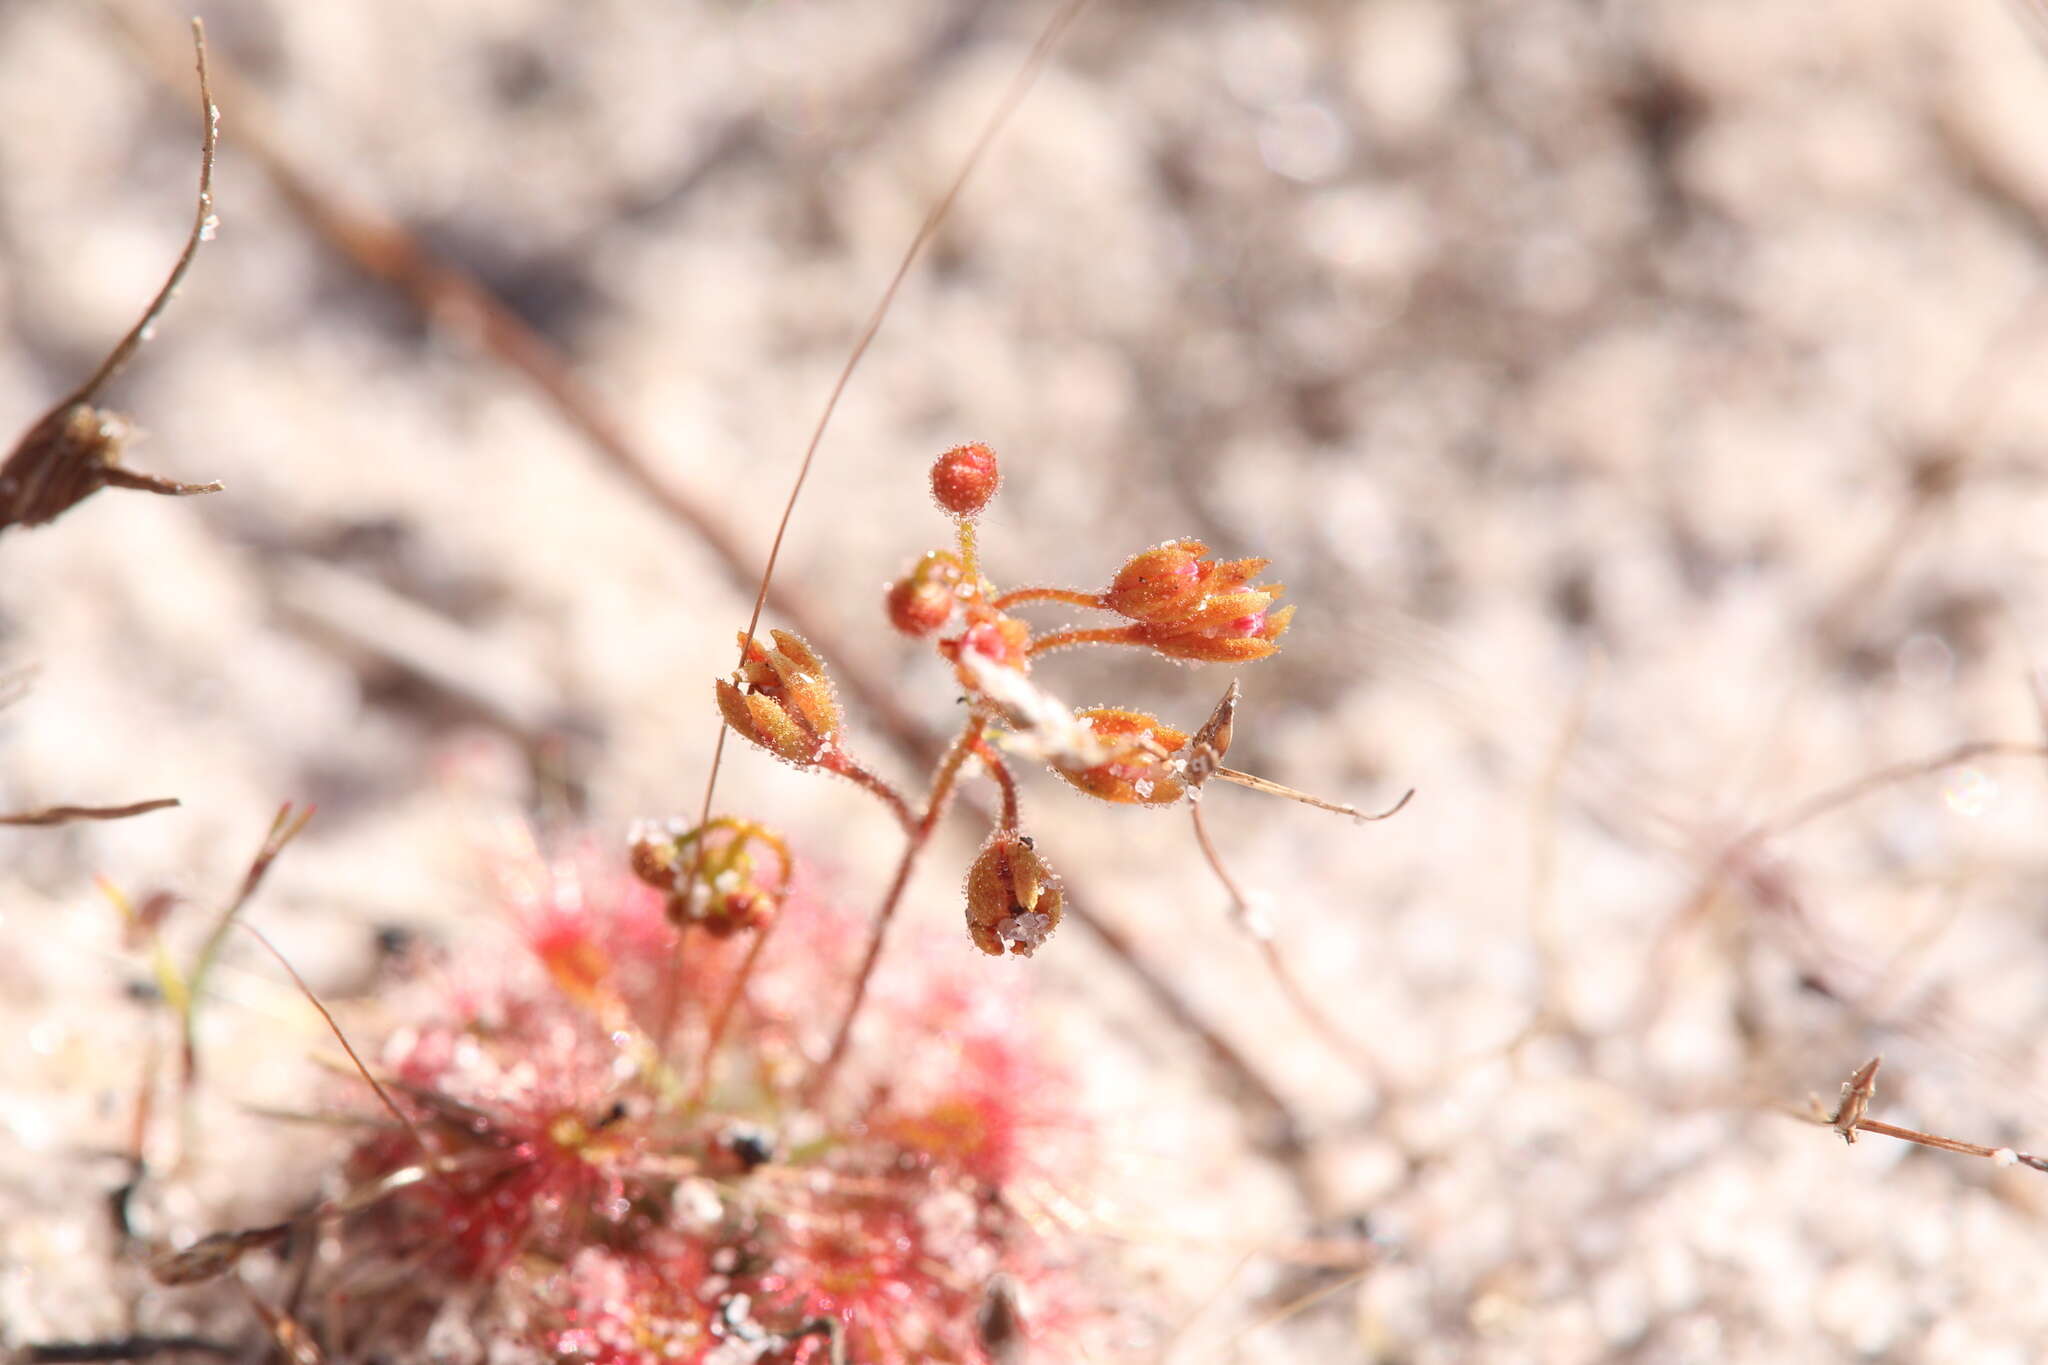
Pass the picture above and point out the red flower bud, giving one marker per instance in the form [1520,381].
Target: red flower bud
[1188,607]
[923,601]
[1013,898]
[964,479]
[1160,583]
[1003,641]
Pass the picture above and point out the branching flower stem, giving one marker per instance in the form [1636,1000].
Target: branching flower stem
[1067,639]
[944,779]
[877,786]
[1017,597]
[1006,782]
[707,1073]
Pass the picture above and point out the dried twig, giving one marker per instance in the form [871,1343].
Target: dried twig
[1849,1119]
[125,1348]
[64,815]
[74,450]
[284,828]
[1740,852]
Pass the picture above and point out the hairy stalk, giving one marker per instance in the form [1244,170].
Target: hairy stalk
[1067,639]
[1006,782]
[1012,97]
[1017,597]
[943,782]
[970,557]
[870,781]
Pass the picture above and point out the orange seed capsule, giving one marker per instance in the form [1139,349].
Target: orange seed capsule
[1013,898]
[1140,770]
[787,706]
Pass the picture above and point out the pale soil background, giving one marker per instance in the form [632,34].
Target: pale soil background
[1672,366]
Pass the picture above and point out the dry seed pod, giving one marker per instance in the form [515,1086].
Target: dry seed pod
[788,707]
[1139,770]
[74,450]
[1013,899]
[714,875]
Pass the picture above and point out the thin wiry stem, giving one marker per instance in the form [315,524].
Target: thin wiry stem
[943,781]
[202,229]
[937,214]
[1246,918]
[284,828]
[877,786]
[1260,784]
[707,1072]
[1737,853]
[383,1095]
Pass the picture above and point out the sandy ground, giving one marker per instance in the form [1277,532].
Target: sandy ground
[1639,399]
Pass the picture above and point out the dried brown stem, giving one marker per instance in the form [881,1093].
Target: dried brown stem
[61,815]
[1246,917]
[1849,1119]
[74,449]
[1260,784]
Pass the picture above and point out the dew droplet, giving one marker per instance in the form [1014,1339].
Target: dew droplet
[1969,792]
[208,226]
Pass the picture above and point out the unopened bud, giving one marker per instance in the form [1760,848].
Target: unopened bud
[923,601]
[965,478]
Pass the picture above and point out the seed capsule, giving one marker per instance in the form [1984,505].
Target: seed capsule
[1139,769]
[787,707]
[1013,898]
